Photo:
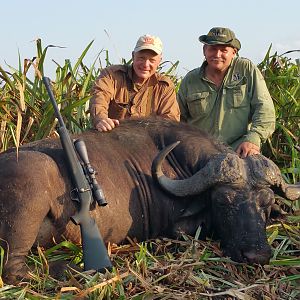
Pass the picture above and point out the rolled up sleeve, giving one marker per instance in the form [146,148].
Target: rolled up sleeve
[262,110]
[102,93]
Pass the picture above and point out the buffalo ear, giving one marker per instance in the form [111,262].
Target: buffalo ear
[287,191]
[292,191]
[266,172]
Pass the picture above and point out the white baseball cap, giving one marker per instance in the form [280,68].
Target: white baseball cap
[149,42]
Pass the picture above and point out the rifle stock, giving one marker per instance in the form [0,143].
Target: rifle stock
[95,255]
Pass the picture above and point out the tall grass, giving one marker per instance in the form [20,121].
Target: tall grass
[283,80]
[25,112]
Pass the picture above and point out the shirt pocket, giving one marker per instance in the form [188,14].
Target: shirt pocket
[199,104]
[237,94]
[117,109]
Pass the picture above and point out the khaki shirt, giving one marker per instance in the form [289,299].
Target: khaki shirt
[114,95]
[241,110]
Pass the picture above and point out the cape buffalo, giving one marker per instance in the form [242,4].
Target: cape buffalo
[200,183]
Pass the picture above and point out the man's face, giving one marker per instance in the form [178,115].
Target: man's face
[145,64]
[219,57]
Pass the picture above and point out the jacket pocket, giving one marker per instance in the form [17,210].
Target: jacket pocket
[237,94]
[117,110]
[199,104]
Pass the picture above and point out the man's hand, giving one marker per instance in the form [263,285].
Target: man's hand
[106,124]
[247,148]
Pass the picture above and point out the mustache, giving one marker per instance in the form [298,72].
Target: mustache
[217,59]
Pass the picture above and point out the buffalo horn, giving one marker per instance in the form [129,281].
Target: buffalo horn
[224,168]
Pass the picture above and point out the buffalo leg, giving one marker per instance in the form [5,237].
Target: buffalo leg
[26,191]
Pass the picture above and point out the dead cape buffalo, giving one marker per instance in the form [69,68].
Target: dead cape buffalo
[200,183]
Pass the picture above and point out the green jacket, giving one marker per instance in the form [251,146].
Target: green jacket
[241,110]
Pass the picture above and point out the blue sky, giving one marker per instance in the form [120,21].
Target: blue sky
[116,25]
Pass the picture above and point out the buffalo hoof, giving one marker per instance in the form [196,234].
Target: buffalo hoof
[16,276]
[57,270]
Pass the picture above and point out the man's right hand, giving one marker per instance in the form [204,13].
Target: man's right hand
[106,124]
[246,148]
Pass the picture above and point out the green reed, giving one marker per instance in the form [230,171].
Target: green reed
[283,80]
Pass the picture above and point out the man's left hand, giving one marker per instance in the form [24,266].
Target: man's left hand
[247,148]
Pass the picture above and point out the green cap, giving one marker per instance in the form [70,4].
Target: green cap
[220,36]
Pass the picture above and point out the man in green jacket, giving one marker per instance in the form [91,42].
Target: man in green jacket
[227,96]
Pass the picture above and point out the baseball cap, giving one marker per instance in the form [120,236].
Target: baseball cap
[220,36]
[149,42]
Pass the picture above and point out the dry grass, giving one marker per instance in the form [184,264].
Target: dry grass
[171,269]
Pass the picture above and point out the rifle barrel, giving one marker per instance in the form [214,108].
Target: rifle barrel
[95,255]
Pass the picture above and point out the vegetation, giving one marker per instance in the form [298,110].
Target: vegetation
[155,269]
[283,80]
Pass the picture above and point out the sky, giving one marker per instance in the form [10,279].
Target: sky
[116,25]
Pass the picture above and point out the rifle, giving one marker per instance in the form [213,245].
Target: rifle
[95,255]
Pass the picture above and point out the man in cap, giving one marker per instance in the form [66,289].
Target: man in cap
[227,96]
[137,90]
